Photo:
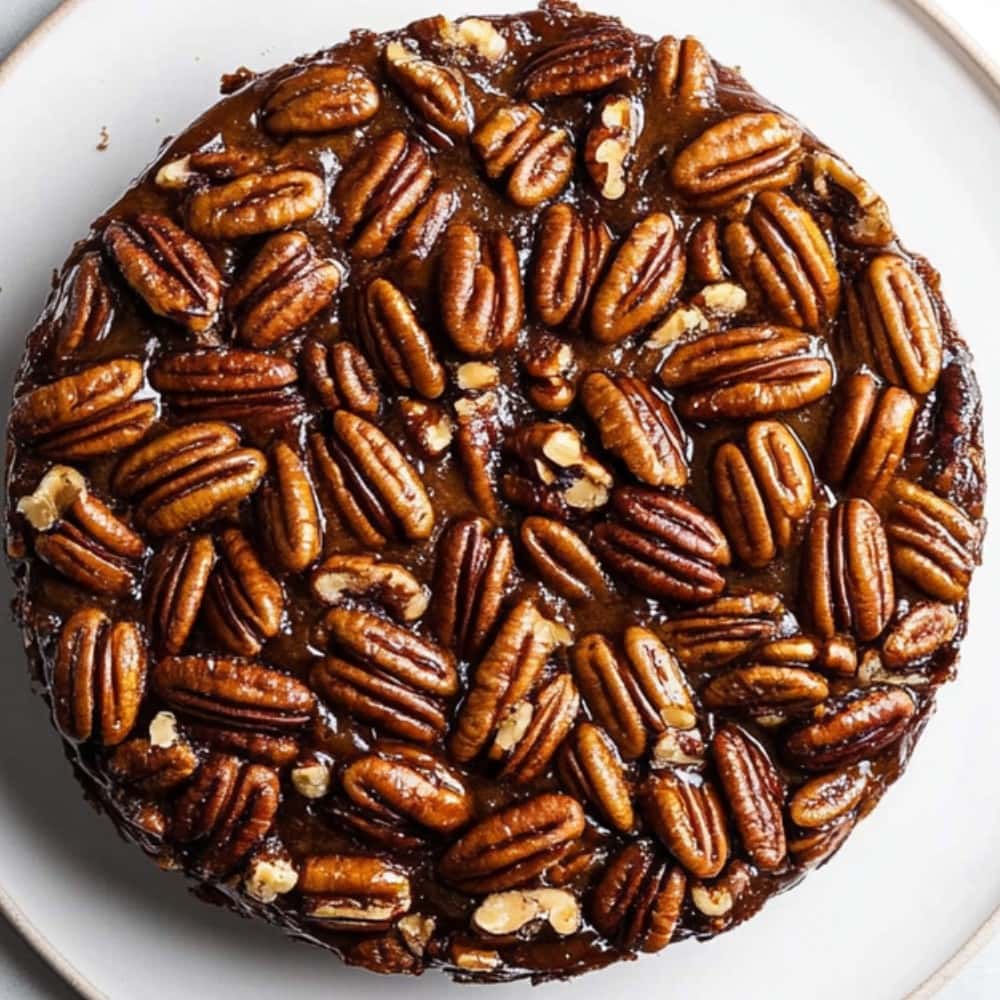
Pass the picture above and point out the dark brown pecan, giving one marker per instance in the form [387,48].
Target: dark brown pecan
[816,847]
[762,491]
[396,340]
[320,99]
[428,427]
[152,768]
[858,727]
[765,688]
[436,92]
[98,678]
[638,427]
[755,793]
[639,899]
[276,749]
[919,634]
[340,377]
[482,303]
[170,270]
[285,285]
[353,893]
[847,576]
[476,439]
[634,688]
[747,372]
[379,190]
[686,814]
[364,576]
[227,810]
[376,491]
[829,797]
[570,251]
[782,253]
[591,769]
[663,546]
[471,580]
[704,253]
[234,692]
[933,543]
[505,676]
[683,72]
[515,846]
[867,436]
[579,64]
[864,219]
[611,143]
[178,578]
[243,603]
[428,223]
[894,325]
[645,274]
[289,514]
[741,155]
[562,559]
[208,165]
[85,310]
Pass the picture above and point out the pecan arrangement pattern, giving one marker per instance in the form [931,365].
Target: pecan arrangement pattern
[494,496]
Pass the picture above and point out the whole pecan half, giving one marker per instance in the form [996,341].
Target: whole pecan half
[340,377]
[683,72]
[85,310]
[611,143]
[178,579]
[639,898]
[645,274]
[663,546]
[514,846]
[562,559]
[766,688]
[848,579]
[579,64]
[320,99]
[436,92]
[590,767]
[479,283]
[285,285]
[98,677]
[289,512]
[828,798]
[741,155]
[747,372]
[353,893]
[364,576]
[919,634]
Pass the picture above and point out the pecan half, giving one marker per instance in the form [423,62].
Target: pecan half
[663,546]
[289,513]
[153,769]
[865,222]
[683,72]
[580,64]
[829,797]
[591,769]
[276,749]
[919,634]
[85,310]
[363,576]
[353,893]
[704,252]
[766,688]
[340,376]
[428,223]
[816,847]
[320,99]
[98,677]
[436,92]
[478,431]
[611,142]
[562,559]
[178,579]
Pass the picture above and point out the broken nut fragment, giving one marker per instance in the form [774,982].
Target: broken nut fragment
[163,730]
[311,781]
[365,576]
[57,491]
[511,911]
[269,878]
[416,930]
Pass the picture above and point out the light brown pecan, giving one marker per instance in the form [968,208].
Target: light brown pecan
[747,372]
[153,769]
[320,99]
[581,63]
[591,769]
[638,427]
[868,436]
[780,251]
[289,514]
[663,546]
[85,310]
[353,893]
[639,899]
[234,692]
[893,324]
[514,846]
[471,579]
[436,92]
[933,543]
[379,190]
[428,427]
[285,285]
[396,340]
[611,142]
[867,222]
[506,675]
[243,603]
[741,155]
[570,251]
[919,634]
[479,283]
[226,811]
[829,797]
[478,420]
[847,576]
[683,72]
[376,491]
[765,688]
[98,678]
[685,812]
[340,377]
[762,491]
[178,578]
[645,274]
[562,559]
[362,576]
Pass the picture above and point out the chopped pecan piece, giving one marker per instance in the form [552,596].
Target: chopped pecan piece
[865,222]
[611,143]
[364,576]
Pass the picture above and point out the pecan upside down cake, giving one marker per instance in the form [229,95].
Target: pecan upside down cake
[495,495]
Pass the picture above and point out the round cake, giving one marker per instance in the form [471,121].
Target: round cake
[495,495]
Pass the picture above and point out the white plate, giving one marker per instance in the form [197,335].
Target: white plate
[916,879]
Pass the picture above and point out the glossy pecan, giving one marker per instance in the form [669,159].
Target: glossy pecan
[362,576]
[644,275]
[289,512]
[663,546]
[436,92]
[376,491]
[683,72]
[208,165]
[353,893]
[639,899]
[85,310]
[178,578]
[610,143]
[868,436]
[581,63]
[919,634]
[591,769]
[741,155]
[514,846]
[865,221]
[98,677]
[379,190]
[562,559]
[848,578]
[428,223]
[285,286]
[765,688]
[428,426]
[828,798]
[816,847]
[705,262]
[320,99]
[479,283]
[476,439]
[747,372]
[232,691]
[340,377]
[276,749]
[154,770]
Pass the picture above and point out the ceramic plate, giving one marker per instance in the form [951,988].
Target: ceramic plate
[917,878]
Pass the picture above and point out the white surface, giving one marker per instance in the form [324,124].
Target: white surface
[916,879]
